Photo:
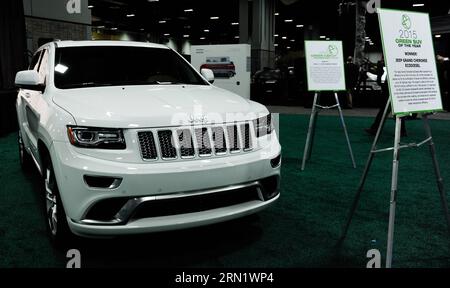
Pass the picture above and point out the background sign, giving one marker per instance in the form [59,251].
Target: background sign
[410,61]
[230,64]
[325,65]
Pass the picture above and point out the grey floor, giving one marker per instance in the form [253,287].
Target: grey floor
[356,112]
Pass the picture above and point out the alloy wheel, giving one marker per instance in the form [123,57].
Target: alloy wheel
[51,202]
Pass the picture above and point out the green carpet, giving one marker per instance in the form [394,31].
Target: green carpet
[301,230]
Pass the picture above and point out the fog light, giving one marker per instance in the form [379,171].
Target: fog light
[275,162]
[102,182]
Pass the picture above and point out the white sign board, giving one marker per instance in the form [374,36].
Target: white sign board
[230,64]
[325,65]
[410,62]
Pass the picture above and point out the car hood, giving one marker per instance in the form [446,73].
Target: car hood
[155,106]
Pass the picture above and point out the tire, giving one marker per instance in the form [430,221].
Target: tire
[24,157]
[56,221]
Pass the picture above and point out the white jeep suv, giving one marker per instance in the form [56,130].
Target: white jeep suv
[130,138]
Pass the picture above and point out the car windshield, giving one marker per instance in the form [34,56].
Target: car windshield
[94,66]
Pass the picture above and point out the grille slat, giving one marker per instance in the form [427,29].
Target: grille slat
[203,142]
[233,139]
[147,145]
[246,137]
[186,144]
[220,143]
[196,142]
[166,143]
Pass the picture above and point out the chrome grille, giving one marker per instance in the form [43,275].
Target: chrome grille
[188,142]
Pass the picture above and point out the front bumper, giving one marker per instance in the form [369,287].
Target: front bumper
[156,182]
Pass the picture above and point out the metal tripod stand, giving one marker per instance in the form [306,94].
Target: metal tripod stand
[312,128]
[394,187]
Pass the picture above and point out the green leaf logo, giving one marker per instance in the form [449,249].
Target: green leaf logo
[406,22]
[333,50]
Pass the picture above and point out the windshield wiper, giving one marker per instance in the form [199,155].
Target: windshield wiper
[85,84]
[118,83]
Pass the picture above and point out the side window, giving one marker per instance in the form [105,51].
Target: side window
[35,61]
[43,66]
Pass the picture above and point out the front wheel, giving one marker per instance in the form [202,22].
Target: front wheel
[57,227]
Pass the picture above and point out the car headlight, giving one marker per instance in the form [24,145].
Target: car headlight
[263,126]
[100,138]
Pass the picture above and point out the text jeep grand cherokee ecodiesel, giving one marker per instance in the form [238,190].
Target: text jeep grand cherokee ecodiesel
[130,138]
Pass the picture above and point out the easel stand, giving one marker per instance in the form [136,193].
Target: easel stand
[312,128]
[395,164]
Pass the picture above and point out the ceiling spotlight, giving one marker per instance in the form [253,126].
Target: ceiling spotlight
[166,34]
[100,27]
[153,0]
[202,38]
[299,26]
[288,47]
[438,36]
[275,45]
[284,37]
[323,37]
[288,20]
[292,40]
[162,21]
[235,23]
[236,37]
[328,39]
[214,18]
[90,6]
[276,35]
[142,29]
[206,30]
[130,15]
[188,10]
[114,28]
[276,14]
[418,5]
[186,36]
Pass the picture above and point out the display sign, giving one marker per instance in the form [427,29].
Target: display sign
[325,65]
[410,62]
[230,64]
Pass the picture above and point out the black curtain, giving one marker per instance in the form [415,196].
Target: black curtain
[13,58]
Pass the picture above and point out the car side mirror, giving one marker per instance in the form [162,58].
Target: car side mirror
[208,74]
[29,79]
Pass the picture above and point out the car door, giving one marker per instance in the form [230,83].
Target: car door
[26,97]
[31,100]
